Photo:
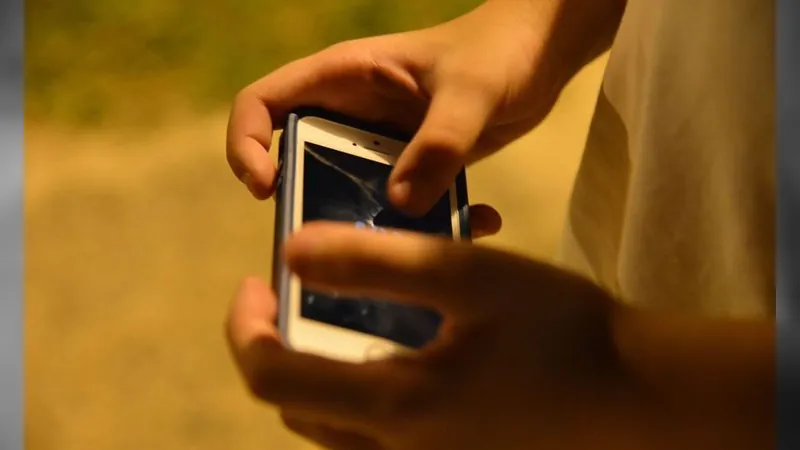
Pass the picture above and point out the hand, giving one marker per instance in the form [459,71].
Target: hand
[467,87]
[525,359]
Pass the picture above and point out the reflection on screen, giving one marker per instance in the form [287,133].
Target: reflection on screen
[342,187]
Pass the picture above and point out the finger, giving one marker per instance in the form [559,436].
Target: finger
[429,165]
[343,78]
[454,278]
[249,138]
[328,437]
[350,394]
[251,318]
[262,107]
[484,221]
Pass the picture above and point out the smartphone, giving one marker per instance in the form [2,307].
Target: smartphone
[335,168]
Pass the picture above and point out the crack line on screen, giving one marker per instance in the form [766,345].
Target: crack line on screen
[366,188]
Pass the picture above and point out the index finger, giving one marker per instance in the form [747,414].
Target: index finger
[256,112]
[455,278]
[249,139]
[261,108]
[346,78]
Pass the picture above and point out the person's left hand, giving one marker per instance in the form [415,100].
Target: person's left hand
[525,358]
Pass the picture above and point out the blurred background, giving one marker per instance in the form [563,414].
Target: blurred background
[137,234]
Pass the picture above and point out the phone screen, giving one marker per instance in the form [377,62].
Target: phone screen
[338,186]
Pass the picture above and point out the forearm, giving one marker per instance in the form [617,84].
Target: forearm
[700,381]
[572,32]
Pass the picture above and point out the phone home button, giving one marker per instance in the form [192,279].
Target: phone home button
[377,352]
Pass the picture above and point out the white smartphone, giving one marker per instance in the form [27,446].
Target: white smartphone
[335,168]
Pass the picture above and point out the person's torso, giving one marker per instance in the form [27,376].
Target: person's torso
[673,206]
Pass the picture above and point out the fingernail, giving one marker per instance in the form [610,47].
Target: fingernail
[412,196]
[401,192]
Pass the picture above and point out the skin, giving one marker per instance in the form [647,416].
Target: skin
[557,361]
[531,355]
[466,88]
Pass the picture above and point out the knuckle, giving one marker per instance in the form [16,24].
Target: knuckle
[263,379]
[404,401]
[476,79]
[243,96]
[345,48]
[300,426]
[264,383]
[292,423]
[445,143]
[250,283]
[359,55]
[255,387]
[233,132]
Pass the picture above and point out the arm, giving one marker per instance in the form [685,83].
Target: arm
[701,379]
[697,381]
[577,368]
[576,31]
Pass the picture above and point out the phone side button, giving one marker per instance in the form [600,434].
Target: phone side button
[279,180]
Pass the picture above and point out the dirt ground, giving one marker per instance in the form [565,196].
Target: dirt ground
[134,245]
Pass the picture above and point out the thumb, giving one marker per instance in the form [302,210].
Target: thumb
[429,165]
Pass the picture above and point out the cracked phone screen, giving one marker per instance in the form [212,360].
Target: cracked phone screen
[341,187]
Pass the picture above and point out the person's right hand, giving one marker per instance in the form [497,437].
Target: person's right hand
[466,88]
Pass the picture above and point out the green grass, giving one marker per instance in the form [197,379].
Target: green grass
[91,62]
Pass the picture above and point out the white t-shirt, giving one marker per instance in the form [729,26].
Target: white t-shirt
[674,203]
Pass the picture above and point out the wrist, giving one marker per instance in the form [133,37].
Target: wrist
[624,413]
[569,33]
[694,383]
